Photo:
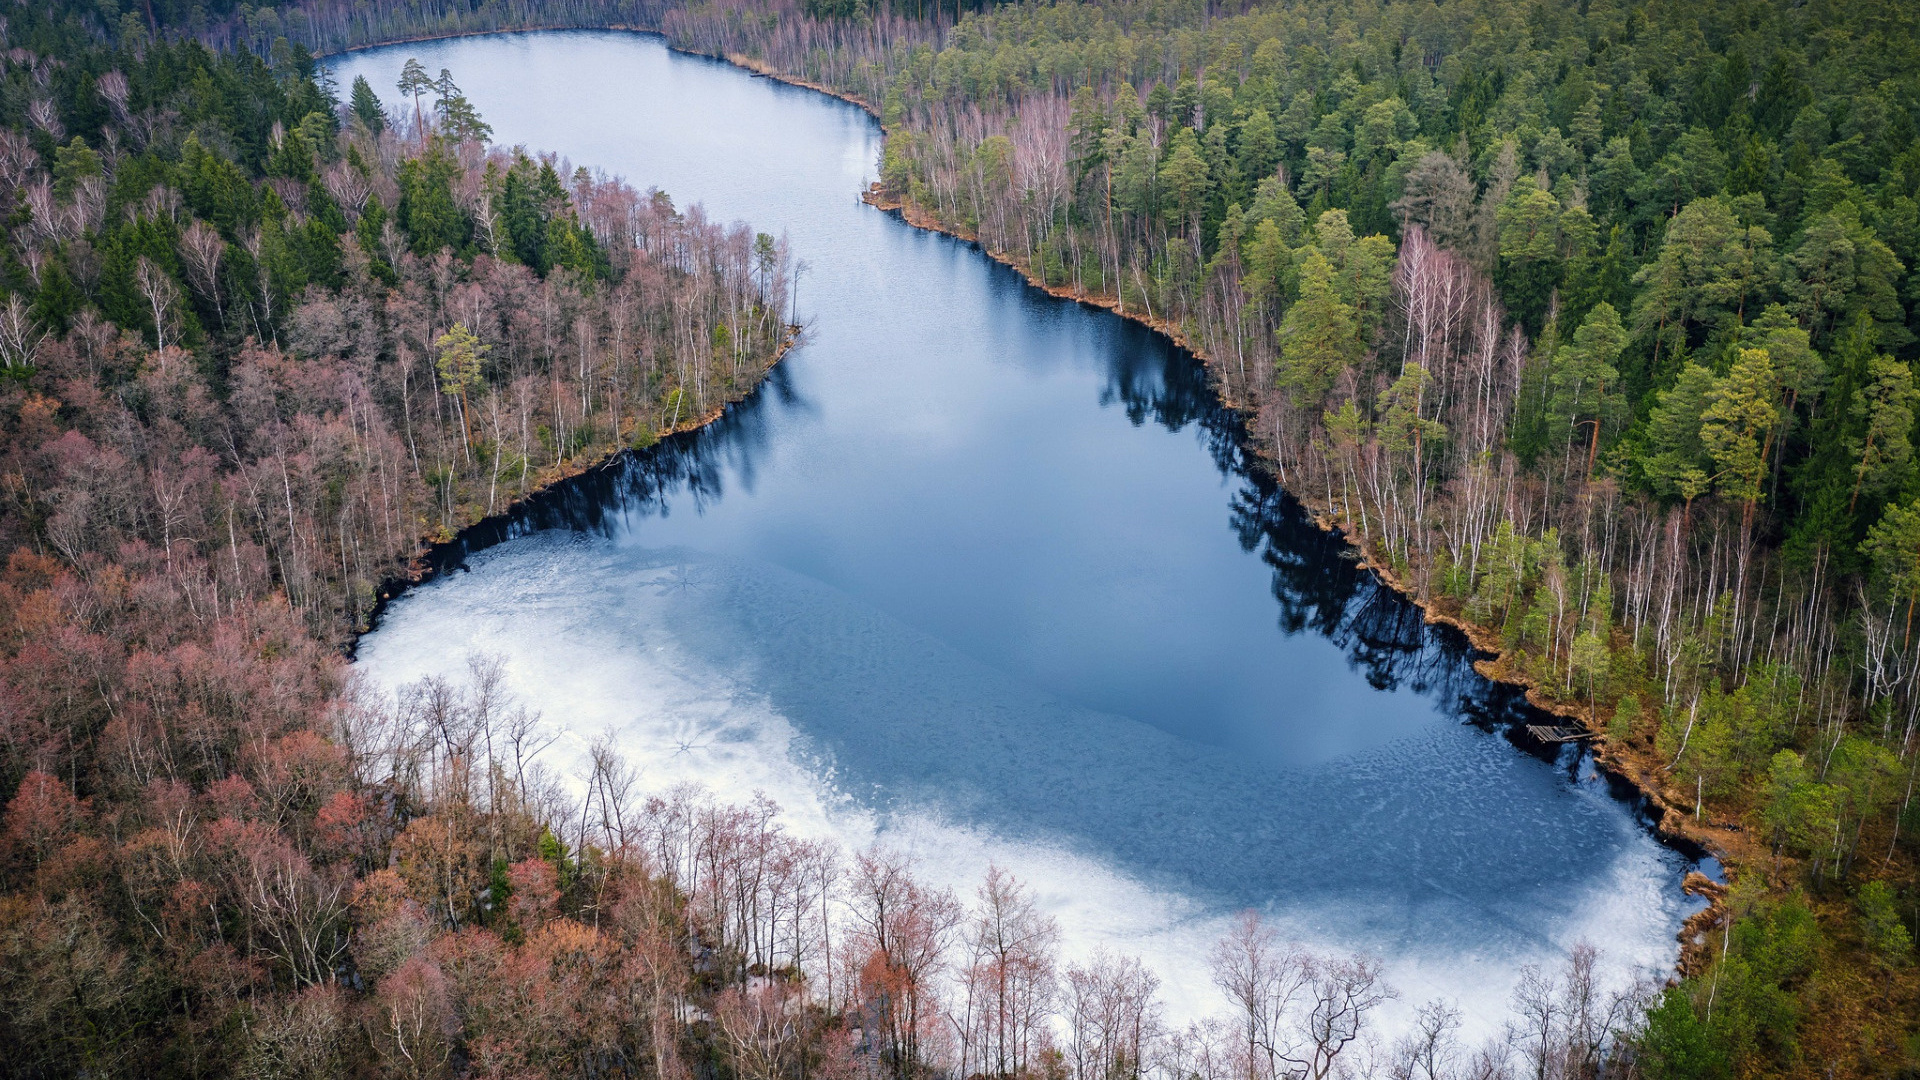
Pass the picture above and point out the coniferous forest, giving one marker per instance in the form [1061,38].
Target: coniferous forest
[1592,324]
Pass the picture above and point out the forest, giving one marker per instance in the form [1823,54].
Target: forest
[1609,365]
[1592,325]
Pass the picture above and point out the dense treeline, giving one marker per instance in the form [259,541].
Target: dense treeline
[256,325]
[1594,325]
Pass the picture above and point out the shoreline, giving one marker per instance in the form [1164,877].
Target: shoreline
[430,558]
[1667,822]
[530,28]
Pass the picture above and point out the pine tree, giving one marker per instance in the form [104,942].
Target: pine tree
[1183,176]
[1676,463]
[1259,146]
[427,209]
[365,106]
[1737,425]
[73,163]
[1582,385]
[1530,263]
[1801,371]
[460,122]
[1842,271]
[1319,336]
[1893,549]
[461,353]
[1885,451]
[413,82]
[521,219]
[1273,202]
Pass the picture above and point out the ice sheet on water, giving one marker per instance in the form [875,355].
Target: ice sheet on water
[1448,853]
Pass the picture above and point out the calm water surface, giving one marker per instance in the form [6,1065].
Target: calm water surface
[981,574]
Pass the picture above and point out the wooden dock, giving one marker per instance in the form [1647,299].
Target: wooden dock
[1548,734]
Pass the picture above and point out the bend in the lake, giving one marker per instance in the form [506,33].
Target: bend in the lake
[985,574]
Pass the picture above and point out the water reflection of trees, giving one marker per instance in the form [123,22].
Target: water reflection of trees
[1317,585]
[605,500]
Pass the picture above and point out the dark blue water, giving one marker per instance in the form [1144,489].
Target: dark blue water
[983,574]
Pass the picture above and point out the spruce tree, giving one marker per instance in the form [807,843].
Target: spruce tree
[1319,335]
[366,106]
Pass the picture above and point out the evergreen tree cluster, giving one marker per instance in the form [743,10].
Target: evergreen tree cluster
[1595,323]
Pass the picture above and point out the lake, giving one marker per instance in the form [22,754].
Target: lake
[983,574]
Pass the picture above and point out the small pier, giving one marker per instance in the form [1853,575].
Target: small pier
[1550,734]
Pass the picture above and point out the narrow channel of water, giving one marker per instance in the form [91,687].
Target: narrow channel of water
[982,574]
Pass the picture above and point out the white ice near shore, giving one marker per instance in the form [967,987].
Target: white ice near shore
[1447,854]
[968,529]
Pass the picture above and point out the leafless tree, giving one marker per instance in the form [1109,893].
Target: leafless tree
[202,249]
[1112,1019]
[1341,994]
[157,288]
[1265,981]
[43,115]
[113,90]
[20,334]
[1430,1050]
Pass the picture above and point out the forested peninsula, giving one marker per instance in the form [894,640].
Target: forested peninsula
[1591,324]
